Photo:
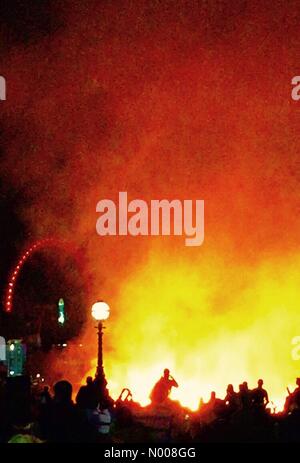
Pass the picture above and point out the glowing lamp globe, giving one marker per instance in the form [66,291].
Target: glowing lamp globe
[100,311]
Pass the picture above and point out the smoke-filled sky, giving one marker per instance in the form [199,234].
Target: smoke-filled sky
[165,99]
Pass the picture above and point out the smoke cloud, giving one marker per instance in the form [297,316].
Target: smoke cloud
[191,102]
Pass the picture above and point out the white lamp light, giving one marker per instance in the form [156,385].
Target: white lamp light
[100,311]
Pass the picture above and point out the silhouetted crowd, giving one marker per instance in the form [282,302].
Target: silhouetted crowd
[244,415]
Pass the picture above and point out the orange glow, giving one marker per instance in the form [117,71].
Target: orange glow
[164,102]
[210,325]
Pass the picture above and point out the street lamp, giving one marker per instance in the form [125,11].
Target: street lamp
[100,312]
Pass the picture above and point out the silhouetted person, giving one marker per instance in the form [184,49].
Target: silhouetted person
[201,404]
[63,422]
[101,418]
[211,409]
[292,402]
[259,395]
[46,398]
[231,399]
[162,388]
[102,392]
[86,398]
[296,393]
[212,399]
[245,384]
[244,395]
[214,403]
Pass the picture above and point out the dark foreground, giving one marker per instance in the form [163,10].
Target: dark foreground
[42,417]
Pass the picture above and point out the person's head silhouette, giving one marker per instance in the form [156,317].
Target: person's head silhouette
[166,373]
[89,380]
[230,389]
[260,383]
[63,392]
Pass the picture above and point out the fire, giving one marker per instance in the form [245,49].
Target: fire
[167,102]
[209,323]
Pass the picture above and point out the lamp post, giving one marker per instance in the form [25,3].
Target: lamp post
[100,312]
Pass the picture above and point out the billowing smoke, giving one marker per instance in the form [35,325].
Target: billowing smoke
[191,102]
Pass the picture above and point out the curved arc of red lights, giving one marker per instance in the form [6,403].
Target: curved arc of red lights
[8,304]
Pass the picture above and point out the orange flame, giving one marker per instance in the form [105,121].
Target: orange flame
[210,324]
